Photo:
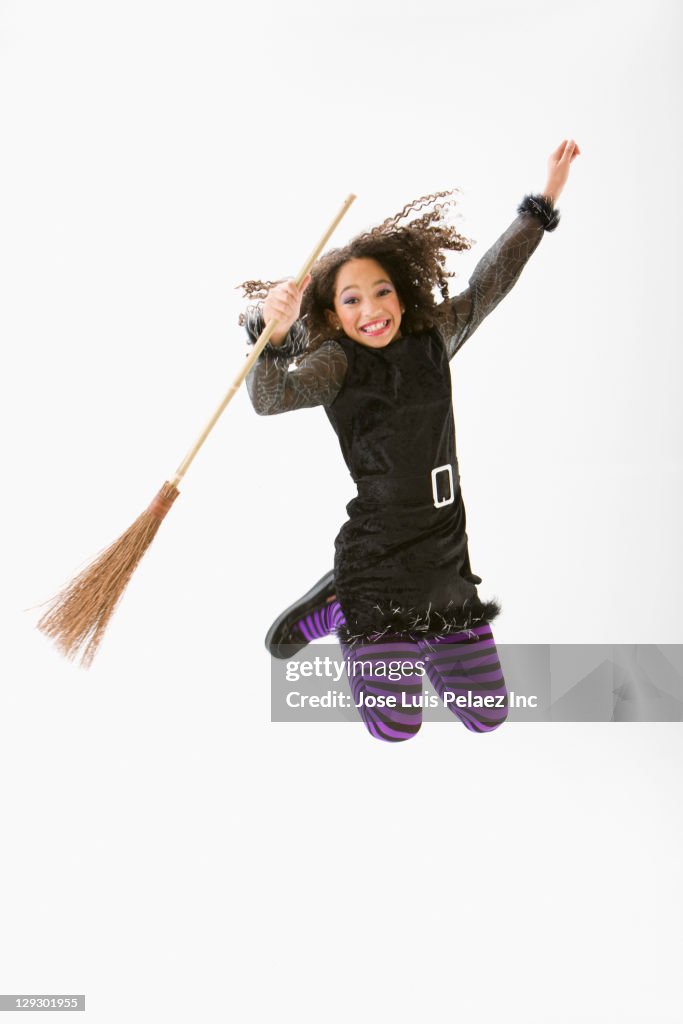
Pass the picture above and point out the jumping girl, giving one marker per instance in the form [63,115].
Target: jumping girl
[372,346]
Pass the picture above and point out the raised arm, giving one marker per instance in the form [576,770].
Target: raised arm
[498,270]
[274,388]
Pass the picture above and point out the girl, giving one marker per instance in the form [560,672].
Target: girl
[373,347]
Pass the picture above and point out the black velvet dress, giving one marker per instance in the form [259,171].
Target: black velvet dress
[401,563]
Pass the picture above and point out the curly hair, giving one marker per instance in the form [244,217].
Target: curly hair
[412,254]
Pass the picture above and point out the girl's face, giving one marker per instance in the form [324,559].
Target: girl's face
[366,305]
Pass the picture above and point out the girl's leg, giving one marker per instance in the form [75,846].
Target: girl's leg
[386,693]
[465,671]
[321,620]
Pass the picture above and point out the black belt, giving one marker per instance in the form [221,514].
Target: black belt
[435,487]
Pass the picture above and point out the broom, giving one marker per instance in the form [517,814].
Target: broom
[77,617]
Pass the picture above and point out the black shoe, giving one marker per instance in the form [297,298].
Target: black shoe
[283,639]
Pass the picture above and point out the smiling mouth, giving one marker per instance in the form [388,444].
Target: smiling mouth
[376,327]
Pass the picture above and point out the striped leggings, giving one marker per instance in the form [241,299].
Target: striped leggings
[387,684]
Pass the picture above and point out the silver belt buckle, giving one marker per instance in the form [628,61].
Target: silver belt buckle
[440,502]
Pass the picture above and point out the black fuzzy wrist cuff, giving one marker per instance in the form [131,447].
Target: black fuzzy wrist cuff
[292,346]
[542,208]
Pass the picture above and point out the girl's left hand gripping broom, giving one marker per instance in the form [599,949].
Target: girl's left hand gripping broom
[78,616]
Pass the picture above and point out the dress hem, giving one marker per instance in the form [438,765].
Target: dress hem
[397,622]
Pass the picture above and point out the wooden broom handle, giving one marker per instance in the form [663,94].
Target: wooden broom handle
[260,343]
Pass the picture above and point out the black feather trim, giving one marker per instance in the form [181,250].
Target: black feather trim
[293,345]
[542,208]
[402,623]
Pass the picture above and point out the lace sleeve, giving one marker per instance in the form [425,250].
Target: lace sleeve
[499,268]
[274,386]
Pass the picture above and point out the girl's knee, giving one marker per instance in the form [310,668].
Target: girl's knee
[478,722]
[392,732]
[386,691]
[492,726]
[393,722]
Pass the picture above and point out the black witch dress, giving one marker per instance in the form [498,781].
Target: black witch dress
[401,566]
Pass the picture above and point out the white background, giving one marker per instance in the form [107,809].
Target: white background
[165,848]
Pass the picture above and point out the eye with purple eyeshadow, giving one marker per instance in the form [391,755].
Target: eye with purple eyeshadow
[352,298]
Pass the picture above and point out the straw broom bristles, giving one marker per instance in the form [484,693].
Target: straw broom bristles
[78,616]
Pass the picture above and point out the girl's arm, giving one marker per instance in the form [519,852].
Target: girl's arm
[316,380]
[498,270]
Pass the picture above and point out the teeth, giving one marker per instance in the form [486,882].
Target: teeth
[375,327]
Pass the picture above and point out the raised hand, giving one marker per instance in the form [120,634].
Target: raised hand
[558,167]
